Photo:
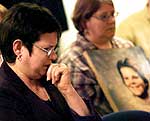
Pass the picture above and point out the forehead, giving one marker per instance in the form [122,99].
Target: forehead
[105,7]
[127,70]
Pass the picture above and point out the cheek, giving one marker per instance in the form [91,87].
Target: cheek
[98,28]
[96,32]
[37,68]
[127,82]
[94,26]
[35,62]
[140,81]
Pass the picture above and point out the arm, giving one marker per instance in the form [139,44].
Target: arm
[60,76]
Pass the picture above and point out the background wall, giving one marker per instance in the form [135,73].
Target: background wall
[125,8]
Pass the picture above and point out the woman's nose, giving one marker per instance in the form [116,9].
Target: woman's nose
[53,56]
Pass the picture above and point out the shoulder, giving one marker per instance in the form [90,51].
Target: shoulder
[11,87]
[14,104]
[121,43]
[11,101]
[74,51]
[74,58]
[70,54]
[9,92]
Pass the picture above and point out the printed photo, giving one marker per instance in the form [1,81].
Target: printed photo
[123,75]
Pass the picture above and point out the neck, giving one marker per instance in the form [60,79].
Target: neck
[106,45]
[100,44]
[34,85]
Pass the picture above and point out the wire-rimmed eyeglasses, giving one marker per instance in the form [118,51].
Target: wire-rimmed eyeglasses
[49,52]
[106,16]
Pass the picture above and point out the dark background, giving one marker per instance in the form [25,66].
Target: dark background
[55,6]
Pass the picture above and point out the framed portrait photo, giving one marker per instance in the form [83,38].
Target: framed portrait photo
[123,74]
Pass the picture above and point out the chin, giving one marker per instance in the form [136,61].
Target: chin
[41,74]
[110,37]
[137,93]
[111,34]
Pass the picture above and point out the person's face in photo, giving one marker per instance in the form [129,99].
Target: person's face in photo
[133,81]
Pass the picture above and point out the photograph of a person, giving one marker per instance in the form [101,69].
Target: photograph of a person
[134,79]
[123,75]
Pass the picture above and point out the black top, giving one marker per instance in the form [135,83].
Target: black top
[19,103]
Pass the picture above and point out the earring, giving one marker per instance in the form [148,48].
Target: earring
[19,57]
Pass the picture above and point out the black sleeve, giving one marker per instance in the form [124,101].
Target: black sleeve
[94,116]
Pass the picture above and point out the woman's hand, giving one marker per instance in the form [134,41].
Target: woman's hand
[60,76]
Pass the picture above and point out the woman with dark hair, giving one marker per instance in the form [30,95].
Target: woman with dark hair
[32,88]
[133,79]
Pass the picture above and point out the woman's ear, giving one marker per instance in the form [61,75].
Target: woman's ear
[17,46]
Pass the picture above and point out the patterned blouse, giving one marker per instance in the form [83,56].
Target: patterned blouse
[83,78]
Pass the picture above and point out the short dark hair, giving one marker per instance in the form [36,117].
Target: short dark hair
[25,21]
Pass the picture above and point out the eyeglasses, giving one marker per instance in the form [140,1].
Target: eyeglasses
[106,16]
[49,52]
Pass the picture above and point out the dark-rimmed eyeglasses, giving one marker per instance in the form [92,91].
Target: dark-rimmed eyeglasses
[106,16]
[49,52]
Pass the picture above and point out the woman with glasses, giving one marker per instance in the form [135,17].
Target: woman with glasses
[95,22]
[28,36]
[31,87]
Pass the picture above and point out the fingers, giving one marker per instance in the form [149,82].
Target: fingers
[55,72]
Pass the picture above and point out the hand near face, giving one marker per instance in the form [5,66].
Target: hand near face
[60,76]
